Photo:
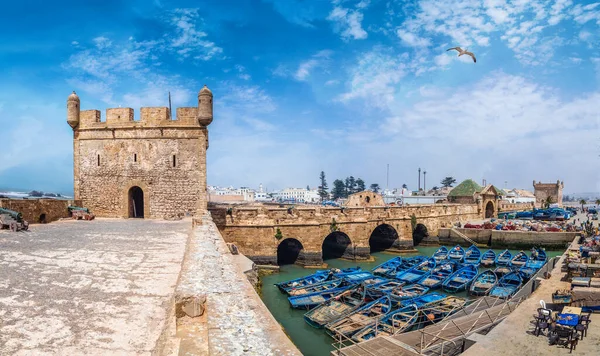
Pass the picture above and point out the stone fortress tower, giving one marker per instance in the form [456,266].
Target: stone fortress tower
[544,190]
[154,167]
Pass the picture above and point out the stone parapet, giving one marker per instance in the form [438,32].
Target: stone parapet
[237,321]
[40,210]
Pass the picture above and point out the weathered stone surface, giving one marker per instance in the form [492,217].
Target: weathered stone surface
[165,158]
[39,210]
[103,287]
[190,306]
[253,229]
[238,322]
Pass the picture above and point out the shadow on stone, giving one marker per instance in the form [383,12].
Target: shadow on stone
[337,245]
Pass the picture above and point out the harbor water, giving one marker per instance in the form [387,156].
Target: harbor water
[315,342]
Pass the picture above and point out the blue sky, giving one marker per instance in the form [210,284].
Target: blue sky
[303,86]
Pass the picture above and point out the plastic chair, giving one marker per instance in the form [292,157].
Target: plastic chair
[543,304]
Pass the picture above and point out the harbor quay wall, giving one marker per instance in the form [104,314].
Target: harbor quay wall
[258,231]
[516,206]
[509,239]
[40,210]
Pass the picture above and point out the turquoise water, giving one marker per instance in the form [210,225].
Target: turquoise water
[311,341]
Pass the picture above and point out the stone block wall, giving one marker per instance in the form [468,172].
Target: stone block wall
[253,229]
[109,168]
[40,210]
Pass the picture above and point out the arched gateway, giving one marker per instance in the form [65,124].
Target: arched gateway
[336,245]
[288,251]
[383,238]
[136,202]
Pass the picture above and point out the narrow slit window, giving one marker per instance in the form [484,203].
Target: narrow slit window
[174,161]
[135,157]
[98,160]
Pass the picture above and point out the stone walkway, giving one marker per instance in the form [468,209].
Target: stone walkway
[103,287]
[237,321]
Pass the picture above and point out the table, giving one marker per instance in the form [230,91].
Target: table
[571,310]
[566,319]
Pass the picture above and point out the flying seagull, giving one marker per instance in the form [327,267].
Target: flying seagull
[461,52]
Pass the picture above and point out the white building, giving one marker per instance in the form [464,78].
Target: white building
[519,196]
[261,195]
[299,195]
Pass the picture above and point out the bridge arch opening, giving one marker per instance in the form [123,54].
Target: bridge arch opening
[383,238]
[419,234]
[288,251]
[489,210]
[337,245]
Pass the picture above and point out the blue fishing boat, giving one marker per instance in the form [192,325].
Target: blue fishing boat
[457,253]
[519,260]
[503,259]
[534,263]
[309,301]
[340,273]
[395,322]
[317,277]
[357,277]
[502,270]
[402,294]
[378,290]
[488,258]
[441,254]
[473,256]
[524,215]
[407,264]
[417,272]
[507,286]
[438,275]
[483,283]
[460,279]
[389,266]
[336,307]
[317,287]
[374,280]
[360,318]
[437,310]
[425,300]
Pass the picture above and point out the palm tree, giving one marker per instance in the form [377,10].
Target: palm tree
[582,202]
[548,202]
[404,186]
[597,201]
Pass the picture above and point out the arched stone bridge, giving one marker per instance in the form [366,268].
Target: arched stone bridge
[307,235]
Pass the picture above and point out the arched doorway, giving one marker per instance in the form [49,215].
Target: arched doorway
[136,202]
[383,238]
[489,210]
[419,234]
[42,218]
[288,251]
[336,245]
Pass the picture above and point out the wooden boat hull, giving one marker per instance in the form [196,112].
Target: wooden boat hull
[319,287]
[472,256]
[460,280]
[410,292]
[309,301]
[396,322]
[359,319]
[441,254]
[456,254]
[336,307]
[507,286]
[488,259]
[503,258]
[483,283]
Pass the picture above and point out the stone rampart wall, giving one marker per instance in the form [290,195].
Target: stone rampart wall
[40,210]
[509,239]
[254,229]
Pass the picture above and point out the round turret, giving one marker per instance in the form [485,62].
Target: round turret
[205,106]
[73,110]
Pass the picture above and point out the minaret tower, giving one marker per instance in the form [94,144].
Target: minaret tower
[205,117]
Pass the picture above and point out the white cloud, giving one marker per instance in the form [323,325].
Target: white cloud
[348,21]
[412,40]
[189,39]
[305,68]
[575,60]
[332,82]
[519,23]
[374,78]
[102,42]
[242,74]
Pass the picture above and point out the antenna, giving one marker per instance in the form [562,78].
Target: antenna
[387,182]
[170,111]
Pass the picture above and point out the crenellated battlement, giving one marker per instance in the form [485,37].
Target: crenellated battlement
[154,117]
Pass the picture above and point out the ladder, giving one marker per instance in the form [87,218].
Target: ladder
[463,236]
